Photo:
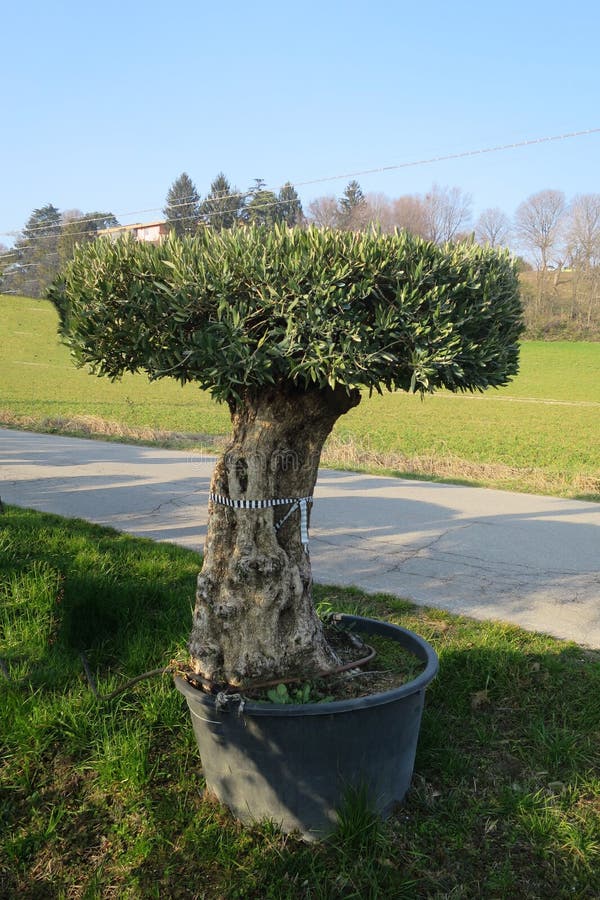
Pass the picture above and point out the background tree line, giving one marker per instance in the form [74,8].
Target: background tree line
[45,245]
[558,240]
[48,240]
[225,206]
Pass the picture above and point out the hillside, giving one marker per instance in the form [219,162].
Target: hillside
[562,305]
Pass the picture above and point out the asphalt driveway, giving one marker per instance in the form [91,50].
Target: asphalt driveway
[521,558]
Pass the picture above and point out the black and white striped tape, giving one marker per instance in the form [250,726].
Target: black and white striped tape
[294,503]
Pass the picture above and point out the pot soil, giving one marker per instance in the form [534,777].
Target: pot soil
[293,764]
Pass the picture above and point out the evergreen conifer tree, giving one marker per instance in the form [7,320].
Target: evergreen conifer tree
[263,207]
[182,210]
[289,208]
[223,204]
[351,206]
[36,260]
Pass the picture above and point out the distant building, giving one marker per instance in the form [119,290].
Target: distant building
[150,232]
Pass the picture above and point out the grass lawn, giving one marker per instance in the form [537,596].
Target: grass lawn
[541,433]
[104,799]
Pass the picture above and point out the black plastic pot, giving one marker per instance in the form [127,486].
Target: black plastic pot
[293,764]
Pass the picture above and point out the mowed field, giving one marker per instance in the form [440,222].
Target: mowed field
[541,433]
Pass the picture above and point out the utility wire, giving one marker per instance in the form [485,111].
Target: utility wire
[463,155]
[186,201]
[410,164]
[54,230]
[219,212]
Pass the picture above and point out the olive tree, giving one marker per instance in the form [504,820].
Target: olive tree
[288,327]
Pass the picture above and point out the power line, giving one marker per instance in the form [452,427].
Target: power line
[208,215]
[410,164]
[54,230]
[187,201]
[463,155]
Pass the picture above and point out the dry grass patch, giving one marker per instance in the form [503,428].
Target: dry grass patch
[347,453]
[96,427]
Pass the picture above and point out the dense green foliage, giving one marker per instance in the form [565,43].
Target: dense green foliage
[104,799]
[239,310]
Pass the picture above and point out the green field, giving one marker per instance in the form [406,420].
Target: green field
[541,433]
[38,379]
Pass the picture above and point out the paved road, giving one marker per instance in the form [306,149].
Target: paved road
[531,560]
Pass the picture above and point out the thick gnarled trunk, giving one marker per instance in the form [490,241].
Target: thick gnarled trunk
[254,615]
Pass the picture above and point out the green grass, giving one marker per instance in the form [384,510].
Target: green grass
[104,799]
[541,433]
[38,379]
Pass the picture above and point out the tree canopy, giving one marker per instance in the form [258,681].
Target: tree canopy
[80,228]
[351,204]
[262,206]
[223,204]
[289,207]
[37,260]
[182,208]
[46,244]
[240,311]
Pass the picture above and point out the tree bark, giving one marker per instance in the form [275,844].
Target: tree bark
[254,616]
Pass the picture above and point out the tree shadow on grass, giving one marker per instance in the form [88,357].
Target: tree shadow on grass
[97,591]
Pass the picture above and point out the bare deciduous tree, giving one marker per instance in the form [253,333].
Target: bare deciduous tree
[408,214]
[323,211]
[378,212]
[447,211]
[539,223]
[583,229]
[539,229]
[583,247]
[493,228]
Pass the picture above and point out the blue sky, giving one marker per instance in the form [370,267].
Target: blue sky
[104,105]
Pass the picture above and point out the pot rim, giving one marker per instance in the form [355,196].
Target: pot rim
[409,639]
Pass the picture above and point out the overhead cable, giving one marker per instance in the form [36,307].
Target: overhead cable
[373,171]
